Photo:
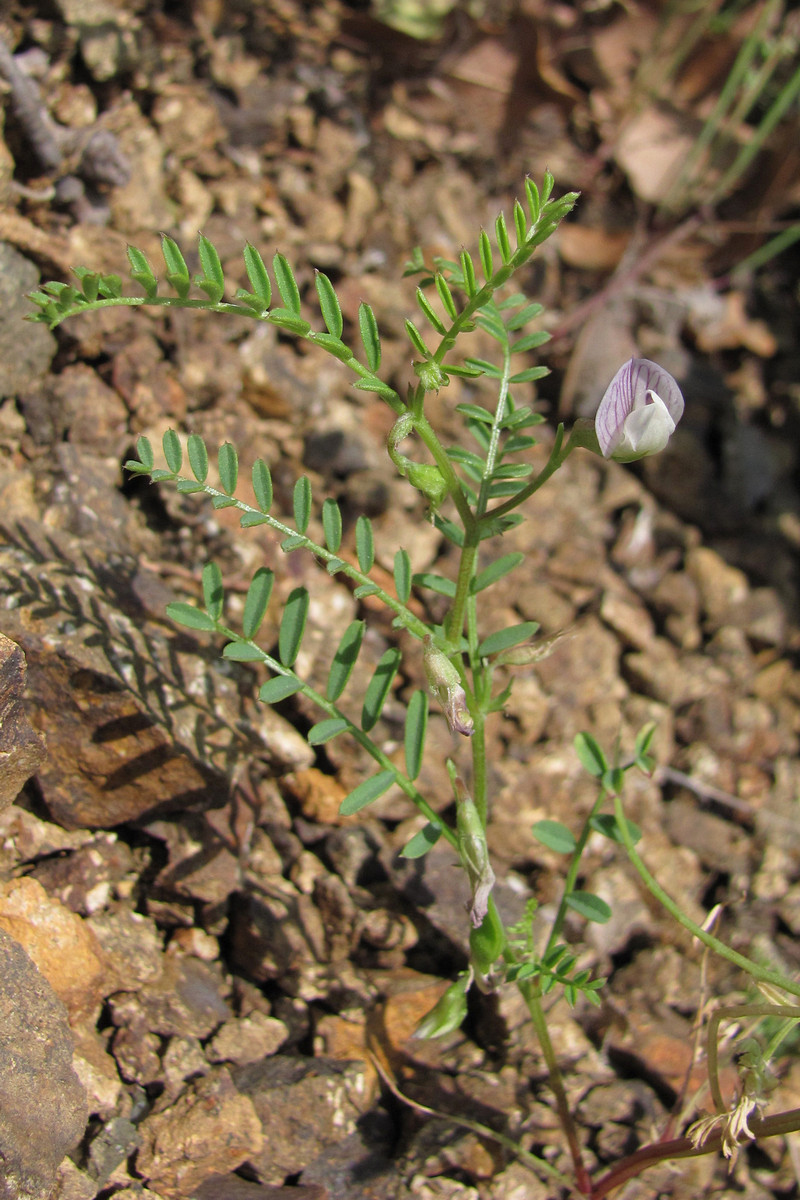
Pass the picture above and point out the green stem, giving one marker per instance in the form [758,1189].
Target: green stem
[494,437]
[478,747]
[739,960]
[559,454]
[532,998]
[454,626]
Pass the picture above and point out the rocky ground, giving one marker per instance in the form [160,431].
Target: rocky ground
[228,973]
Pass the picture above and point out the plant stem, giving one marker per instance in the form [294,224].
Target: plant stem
[532,997]
[739,960]
[558,455]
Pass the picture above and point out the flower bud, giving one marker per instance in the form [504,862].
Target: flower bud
[445,684]
[428,479]
[639,411]
[474,855]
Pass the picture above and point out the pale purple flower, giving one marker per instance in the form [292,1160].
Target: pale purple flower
[639,411]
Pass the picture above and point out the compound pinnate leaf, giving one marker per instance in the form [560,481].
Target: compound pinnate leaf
[293,624]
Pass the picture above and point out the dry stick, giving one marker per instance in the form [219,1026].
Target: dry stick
[648,1156]
[624,279]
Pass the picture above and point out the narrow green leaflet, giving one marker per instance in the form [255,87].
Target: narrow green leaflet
[262,485]
[422,842]
[591,756]
[402,575]
[173,451]
[370,338]
[324,731]
[228,467]
[435,583]
[430,314]
[242,652]
[589,906]
[255,605]
[366,792]
[198,457]
[177,272]
[142,272]
[257,274]
[485,251]
[293,623]
[344,659]
[302,503]
[504,639]
[279,688]
[212,281]
[146,457]
[416,728]
[555,836]
[496,570]
[213,591]
[365,544]
[190,617]
[329,305]
[332,524]
[287,284]
[379,687]
[606,824]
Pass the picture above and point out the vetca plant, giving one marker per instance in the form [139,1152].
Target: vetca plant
[474,490]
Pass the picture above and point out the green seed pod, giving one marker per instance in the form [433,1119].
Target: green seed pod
[486,944]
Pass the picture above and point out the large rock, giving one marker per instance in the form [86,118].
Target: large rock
[42,1103]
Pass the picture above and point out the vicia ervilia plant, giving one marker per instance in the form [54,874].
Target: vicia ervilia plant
[474,490]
